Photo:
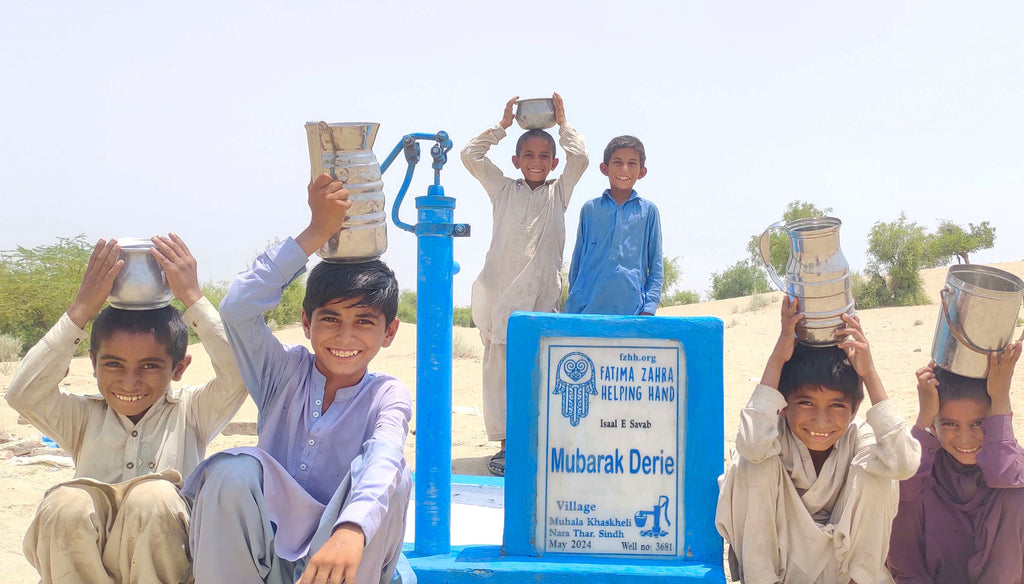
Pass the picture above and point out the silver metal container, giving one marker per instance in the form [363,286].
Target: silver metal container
[141,284]
[817,273]
[978,316]
[535,114]
[344,151]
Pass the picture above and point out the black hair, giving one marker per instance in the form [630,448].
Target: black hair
[953,387]
[372,283]
[535,133]
[620,142]
[165,324]
[826,367]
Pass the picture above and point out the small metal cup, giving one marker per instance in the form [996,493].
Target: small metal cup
[141,284]
[535,114]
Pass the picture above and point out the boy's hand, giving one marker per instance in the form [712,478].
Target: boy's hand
[1000,373]
[104,265]
[328,204]
[338,560]
[559,109]
[180,267]
[857,350]
[506,118]
[787,342]
[927,396]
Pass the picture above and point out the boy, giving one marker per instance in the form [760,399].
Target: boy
[325,492]
[811,493]
[961,517]
[522,265]
[616,265]
[121,519]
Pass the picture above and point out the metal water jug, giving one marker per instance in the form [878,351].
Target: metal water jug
[344,151]
[979,312]
[817,273]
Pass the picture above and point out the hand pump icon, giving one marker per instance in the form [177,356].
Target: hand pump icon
[660,509]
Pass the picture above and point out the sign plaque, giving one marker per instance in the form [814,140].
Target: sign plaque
[611,446]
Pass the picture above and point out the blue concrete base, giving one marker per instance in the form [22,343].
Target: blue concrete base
[486,564]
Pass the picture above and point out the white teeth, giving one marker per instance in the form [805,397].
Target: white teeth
[818,434]
[343,354]
[967,451]
[128,398]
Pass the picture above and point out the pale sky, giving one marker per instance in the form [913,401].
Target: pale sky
[137,118]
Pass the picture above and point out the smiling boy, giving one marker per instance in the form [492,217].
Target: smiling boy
[961,517]
[521,268]
[324,494]
[122,519]
[617,265]
[811,493]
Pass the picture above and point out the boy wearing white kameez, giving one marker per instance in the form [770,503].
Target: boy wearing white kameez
[810,495]
[522,264]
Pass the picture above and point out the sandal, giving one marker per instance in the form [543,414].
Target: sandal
[497,464]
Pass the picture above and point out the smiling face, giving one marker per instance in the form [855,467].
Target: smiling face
[818,417]
[133,371]
[536,160]
[623,169]
[346,336]
[958,428]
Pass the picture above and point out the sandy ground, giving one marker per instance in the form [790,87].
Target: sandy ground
[901,341]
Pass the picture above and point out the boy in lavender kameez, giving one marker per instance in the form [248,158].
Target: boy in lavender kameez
[961,517]
[811,493]
[324,494]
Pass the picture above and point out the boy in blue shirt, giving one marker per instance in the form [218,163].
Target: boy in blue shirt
[616,265]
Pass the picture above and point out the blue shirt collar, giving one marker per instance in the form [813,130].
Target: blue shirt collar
[608,196]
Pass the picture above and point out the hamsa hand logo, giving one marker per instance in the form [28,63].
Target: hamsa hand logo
[575,381]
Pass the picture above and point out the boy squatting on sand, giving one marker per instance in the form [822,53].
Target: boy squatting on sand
[522,264]
[616,265]
[121,518]
[811,493]
[324,494]
[961,517]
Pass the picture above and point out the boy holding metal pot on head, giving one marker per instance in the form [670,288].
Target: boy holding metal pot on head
[810,494]
[961,517]
[121,519]
[521,270]
[323,496]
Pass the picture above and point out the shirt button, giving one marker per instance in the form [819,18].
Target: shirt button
[316,414]
[135,433]
[302,467]
[152,465]
[78,341]
[312,442]
[130,465]
[318,402]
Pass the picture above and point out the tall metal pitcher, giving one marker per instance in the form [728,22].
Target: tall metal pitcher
[817,273]
[344,151]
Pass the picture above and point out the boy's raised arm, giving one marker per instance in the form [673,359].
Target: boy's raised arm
[1001,458]
[34,390]
[576,158]
[217,400]
[474,155]
[857,350]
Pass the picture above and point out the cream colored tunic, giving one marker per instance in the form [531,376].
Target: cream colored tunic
[787,523]
[107,446]
[528,235]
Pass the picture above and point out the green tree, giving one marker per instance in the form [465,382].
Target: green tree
[951,240]
[670,278]
[37,285]
[407,306]
[778,241]
[740,279]
[896,253]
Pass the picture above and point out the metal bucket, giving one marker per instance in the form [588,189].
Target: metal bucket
[817,273]
[978,315]
[141,284]
[344,151]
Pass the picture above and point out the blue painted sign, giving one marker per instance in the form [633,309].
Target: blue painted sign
[610,411]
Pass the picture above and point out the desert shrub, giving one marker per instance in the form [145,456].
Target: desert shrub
[290,309]
[462,316]
[407,306]
[740,279]
[680,298]
[758,301]
[870,291]
[463,349]
[10,352]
